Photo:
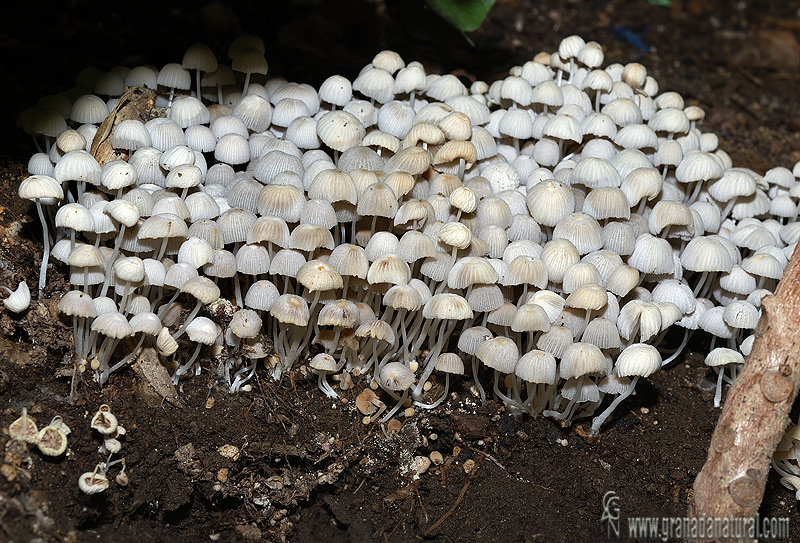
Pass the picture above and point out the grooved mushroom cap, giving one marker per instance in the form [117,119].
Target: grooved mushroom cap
[530,318]
[202,330]
[323,362]
[245,323]
[291,309]
[317,275]
[456,150]
[337,90]
[24,428]
[706,254]
[455,234]
[582,359]
[582,230]
[603,333]
[722,356]
[377,329]
[249,60]
[537,366]
[104,421]
[340,130]
[199,57]
[447,306]
[162,225]
[377,200]
[499,353]
[471,270]
[389,268]
[202,288]
[84,255]
[591,297]
[165,343]
[75,216]
[550,201]
[396,376]
[146,322]
[130,268]
[173,75]
[112,324]
[449,363]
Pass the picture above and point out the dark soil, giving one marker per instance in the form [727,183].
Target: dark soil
[304,468]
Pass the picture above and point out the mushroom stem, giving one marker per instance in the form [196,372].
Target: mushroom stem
[510,402]
[475,378]
[718,393]
[239,381]
[430,360]
[185,367]
[440,399]
[45,249]
[325,386]
[191,316]
[127,357]
[679,350]
[111,259]
[396,407]
[598,421]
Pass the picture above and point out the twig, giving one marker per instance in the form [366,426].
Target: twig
[490,457]
[461,495]
[756,411]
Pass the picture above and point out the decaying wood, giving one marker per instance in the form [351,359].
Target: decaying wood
[155,385]
[137,103]
[756,411]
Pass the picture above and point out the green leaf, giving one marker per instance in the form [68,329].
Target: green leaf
[464,15]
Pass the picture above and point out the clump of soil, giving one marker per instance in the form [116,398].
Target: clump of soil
[283,462]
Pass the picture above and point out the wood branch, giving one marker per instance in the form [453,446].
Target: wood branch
[756,412]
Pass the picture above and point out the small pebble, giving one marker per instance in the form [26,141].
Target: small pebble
[231,452]
[469,465]
[437,458]
[421,464]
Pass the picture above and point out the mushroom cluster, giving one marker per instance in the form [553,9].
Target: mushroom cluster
[546,230]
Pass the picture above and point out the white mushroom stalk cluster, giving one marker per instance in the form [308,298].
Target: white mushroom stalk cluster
[548,229]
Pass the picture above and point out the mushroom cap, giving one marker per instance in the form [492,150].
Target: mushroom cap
[112,324]
[340,130]
[291,309]
[500,353]
[471,338]
[722,356]
[537,366]
[581,359]
[377,329]
[447,306]
[202,330]
[245,323]
[323,362]
[449,363]
[638,359]
[396,376]
[24,428]
[36,187]
[104,421]
[92,482]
